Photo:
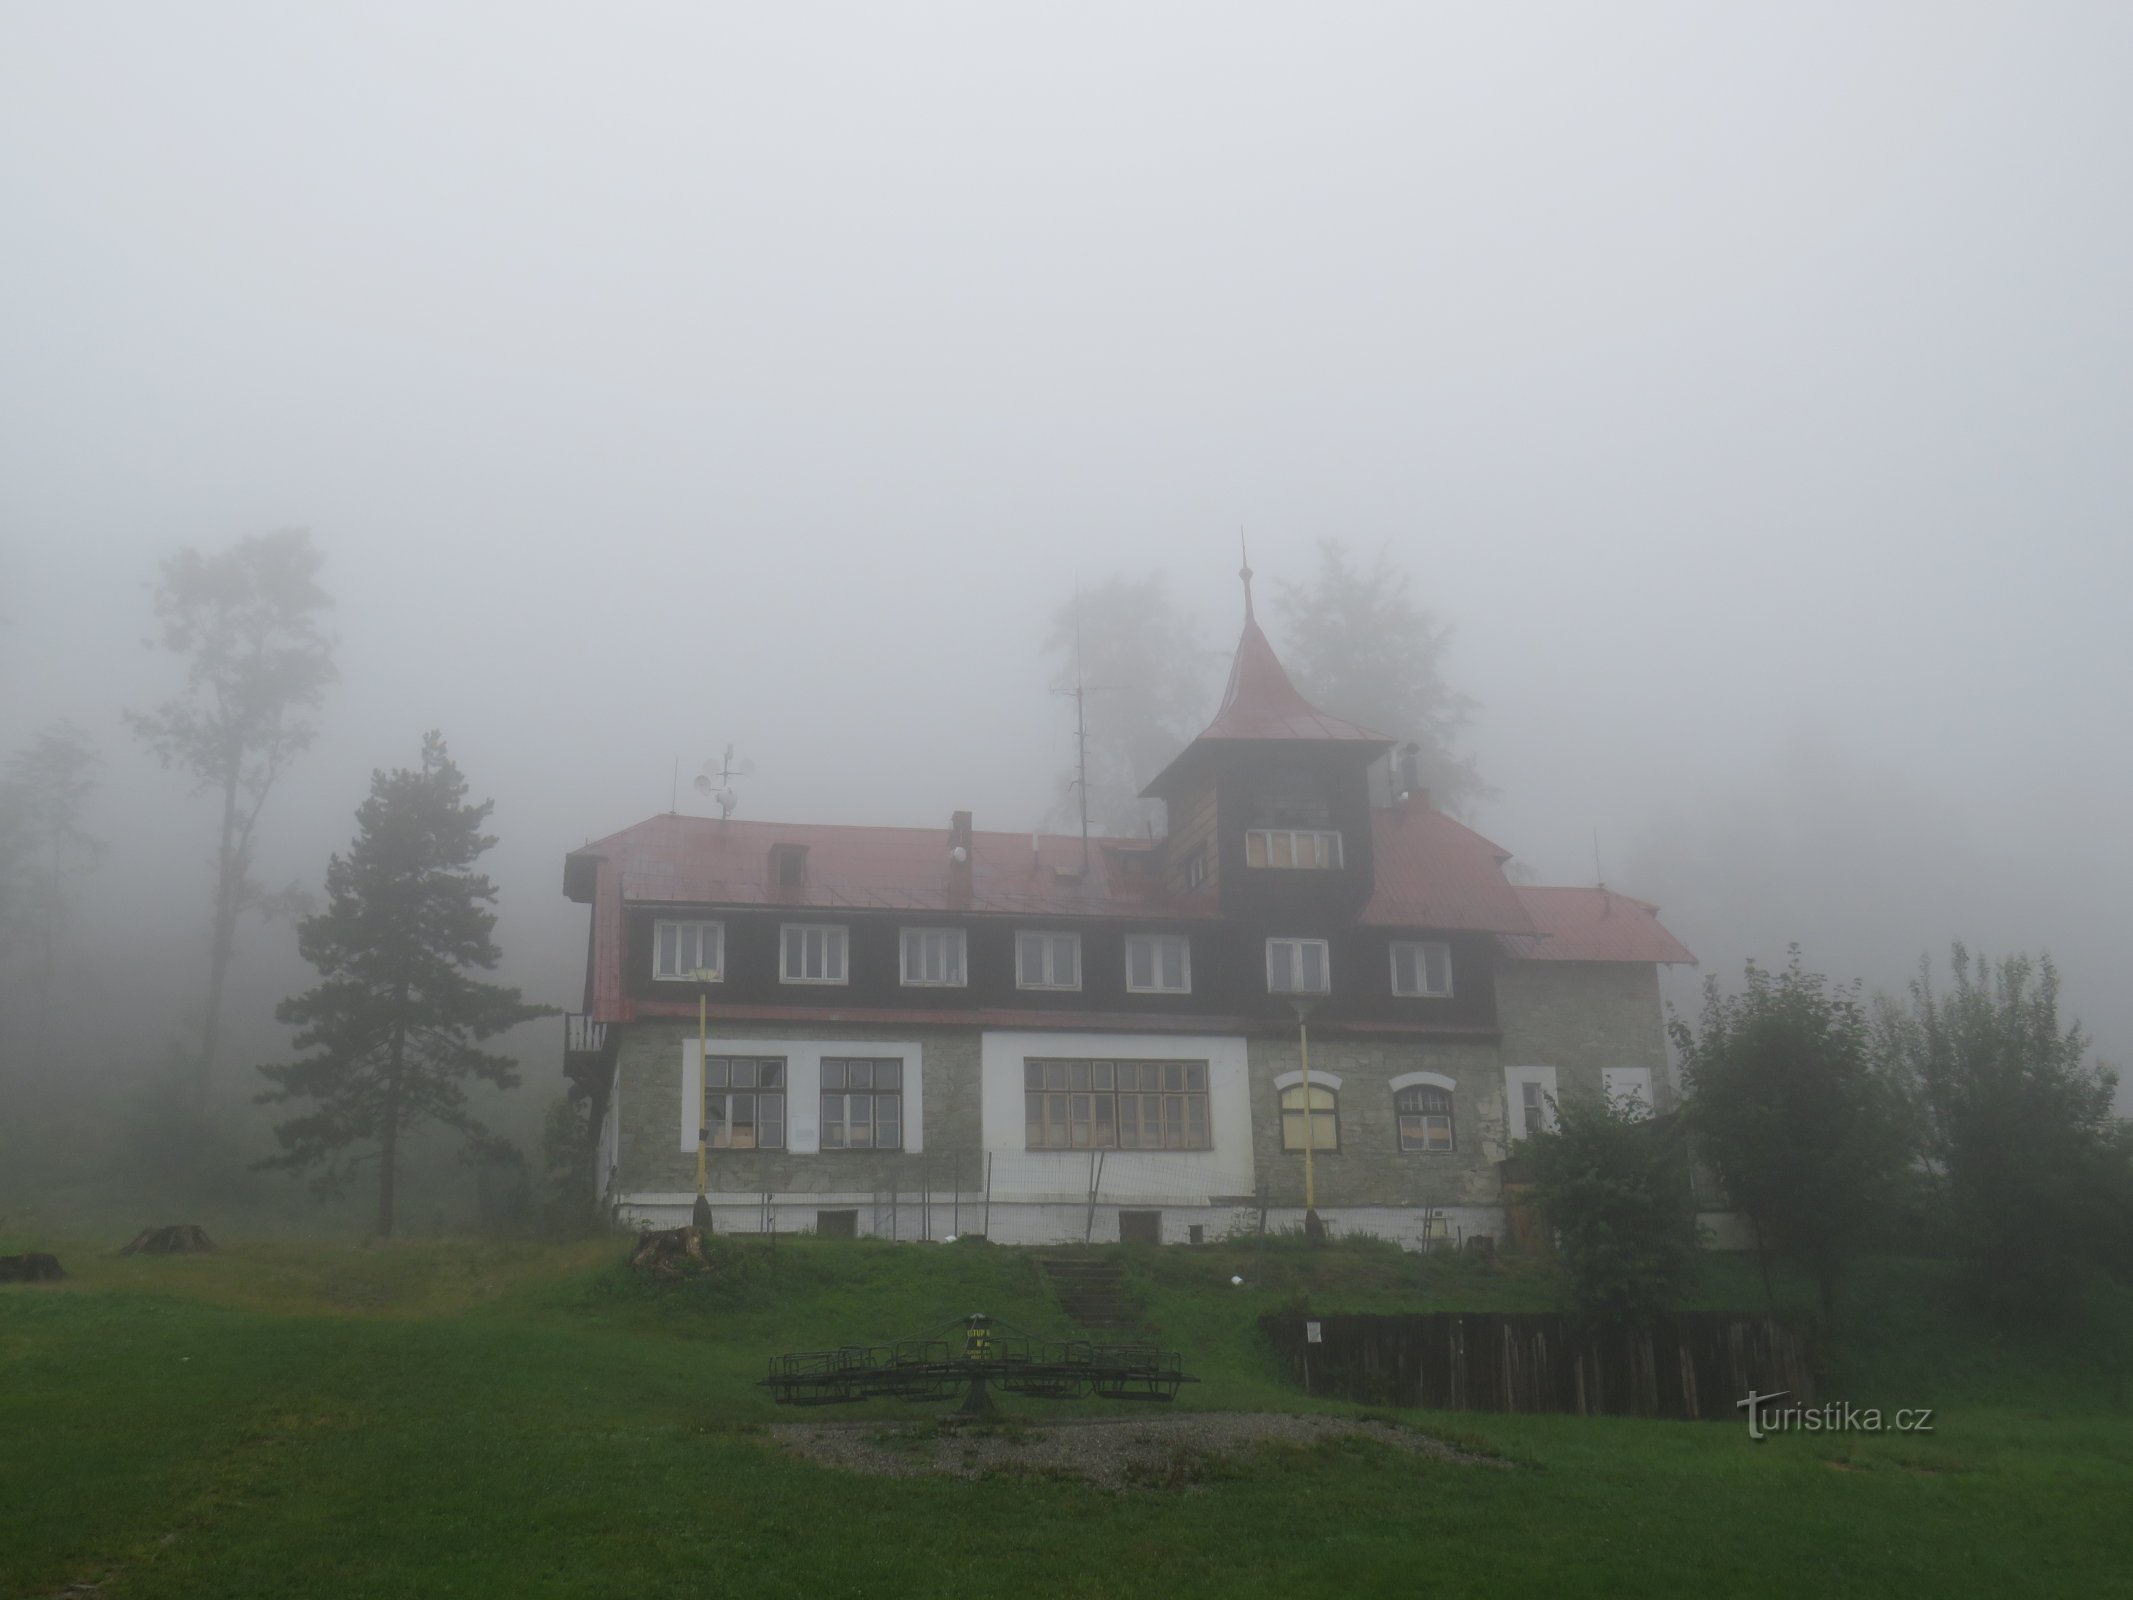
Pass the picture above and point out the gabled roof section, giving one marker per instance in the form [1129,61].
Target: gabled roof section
[1262,703]
[1593,925]
[1435,873]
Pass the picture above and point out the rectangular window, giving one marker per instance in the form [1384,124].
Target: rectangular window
[1422,969]
[933,958]
[1292,847]
[1048,960]
[1629,1088]
[689,952]
[1529,1095]
[1297,966]
[862,1103]
[814,953]
[1115,1105]
[744,1103]
[1158,963]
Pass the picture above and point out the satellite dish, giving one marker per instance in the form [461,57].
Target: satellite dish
[716,780]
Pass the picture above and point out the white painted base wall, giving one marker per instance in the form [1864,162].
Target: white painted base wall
[1052,1223]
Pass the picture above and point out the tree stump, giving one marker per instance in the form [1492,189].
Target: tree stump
[179,1239]
[671,1254]
[34,1267]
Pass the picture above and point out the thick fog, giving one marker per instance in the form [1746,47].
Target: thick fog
[1749,386]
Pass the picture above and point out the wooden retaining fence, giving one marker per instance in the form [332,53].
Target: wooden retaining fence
[1688,1365]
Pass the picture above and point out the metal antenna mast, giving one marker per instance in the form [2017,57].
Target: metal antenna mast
[1080,693]
[716,780]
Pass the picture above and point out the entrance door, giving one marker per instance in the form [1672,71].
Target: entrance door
[1140,1227]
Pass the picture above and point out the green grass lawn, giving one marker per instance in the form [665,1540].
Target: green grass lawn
[479,1419]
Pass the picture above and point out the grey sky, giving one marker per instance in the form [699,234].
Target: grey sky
[1748,384]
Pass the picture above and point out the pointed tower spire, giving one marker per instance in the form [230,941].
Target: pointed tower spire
[1261,703]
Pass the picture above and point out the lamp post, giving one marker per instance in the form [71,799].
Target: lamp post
[1313,1228]
[700,1214]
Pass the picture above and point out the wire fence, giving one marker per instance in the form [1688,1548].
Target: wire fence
[1053,1197]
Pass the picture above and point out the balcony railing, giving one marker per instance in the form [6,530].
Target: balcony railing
[582,1036]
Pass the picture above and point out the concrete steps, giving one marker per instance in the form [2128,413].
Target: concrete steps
[1092,1293]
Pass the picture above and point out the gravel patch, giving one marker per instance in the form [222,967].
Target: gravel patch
[1171,1451]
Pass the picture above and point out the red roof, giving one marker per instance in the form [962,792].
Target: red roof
[1433,871]
[1432,874]
[1592,925]
[1261,703]
[711,861]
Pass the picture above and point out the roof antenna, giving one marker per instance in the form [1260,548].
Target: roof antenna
[1244,571]
[1599,878]
[1080,693]
[716,780]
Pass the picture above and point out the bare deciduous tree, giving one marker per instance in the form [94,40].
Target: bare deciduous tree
[246,622]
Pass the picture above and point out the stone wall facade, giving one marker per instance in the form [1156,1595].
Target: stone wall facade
[1580,1018]
[649,1093]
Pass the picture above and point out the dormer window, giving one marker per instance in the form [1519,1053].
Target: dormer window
[1292,847]
[788,866]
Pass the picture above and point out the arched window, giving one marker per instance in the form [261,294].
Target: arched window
[1425,1114]
[1324,1118]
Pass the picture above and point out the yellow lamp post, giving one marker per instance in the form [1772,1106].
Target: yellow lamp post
[700,1215]
[1313,1229]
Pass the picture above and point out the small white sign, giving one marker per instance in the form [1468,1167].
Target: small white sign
[1312,1335]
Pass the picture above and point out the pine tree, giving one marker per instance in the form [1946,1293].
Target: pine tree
[394,1024]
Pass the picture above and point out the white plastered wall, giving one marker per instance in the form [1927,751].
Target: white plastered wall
[1152,1177]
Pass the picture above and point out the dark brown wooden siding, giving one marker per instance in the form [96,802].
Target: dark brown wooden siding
[1228,968]
[1192,837]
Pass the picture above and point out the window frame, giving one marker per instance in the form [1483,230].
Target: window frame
[904,947]
[1155,967]
[1642,1095]
[1515,1078]
[844,952]
[1047,935]
[1104,1079]
[1289,836]
[1306,1113]
[1421,947]
[1449,1115]
[706,1093]
[1325,963]
[845,1095]
[718,972]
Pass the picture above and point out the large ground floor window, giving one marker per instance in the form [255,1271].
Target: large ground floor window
[1116,1105]
[862,1103]
[744,1103]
